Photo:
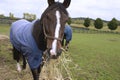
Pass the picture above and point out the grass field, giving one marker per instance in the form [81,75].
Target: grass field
[95,56]
[4,29]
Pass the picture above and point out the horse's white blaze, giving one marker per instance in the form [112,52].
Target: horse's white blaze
[54,44]
[18,67]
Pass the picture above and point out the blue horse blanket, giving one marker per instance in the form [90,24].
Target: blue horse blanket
[22,39]
[68,33]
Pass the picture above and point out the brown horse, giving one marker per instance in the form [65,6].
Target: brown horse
[32,39]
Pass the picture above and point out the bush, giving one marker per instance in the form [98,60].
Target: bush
[98,23]
[87,22]
[113,24]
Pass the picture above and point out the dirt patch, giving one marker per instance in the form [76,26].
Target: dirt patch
[3,37]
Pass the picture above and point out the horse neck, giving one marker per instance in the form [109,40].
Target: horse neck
[39,36]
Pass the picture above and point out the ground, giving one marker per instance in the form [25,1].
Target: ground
[8,65]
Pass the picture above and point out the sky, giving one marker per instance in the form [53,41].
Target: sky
[104,9]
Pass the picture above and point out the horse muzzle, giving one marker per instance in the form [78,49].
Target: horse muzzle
[50,54]
[55,55]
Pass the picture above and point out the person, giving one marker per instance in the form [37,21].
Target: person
[67,36]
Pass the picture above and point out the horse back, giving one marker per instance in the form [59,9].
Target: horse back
[20,32]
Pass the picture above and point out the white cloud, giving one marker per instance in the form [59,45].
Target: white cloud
[105,9]
[21,6]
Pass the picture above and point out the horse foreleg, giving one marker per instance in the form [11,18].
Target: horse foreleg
[35,74]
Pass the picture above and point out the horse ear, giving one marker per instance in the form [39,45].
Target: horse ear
[51,2]
[66,3]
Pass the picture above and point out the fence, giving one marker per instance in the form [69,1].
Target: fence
[7,20]
[92,31]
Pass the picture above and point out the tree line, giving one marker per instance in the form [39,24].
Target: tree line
[27,16]
[98,23]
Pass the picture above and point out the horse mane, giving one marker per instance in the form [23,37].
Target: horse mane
[38,35]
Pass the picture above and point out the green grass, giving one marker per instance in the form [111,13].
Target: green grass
[4,29]
[97,56]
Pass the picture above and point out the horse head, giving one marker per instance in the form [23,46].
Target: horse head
[53,21]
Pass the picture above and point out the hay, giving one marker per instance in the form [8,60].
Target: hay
[57,69]
[50,71]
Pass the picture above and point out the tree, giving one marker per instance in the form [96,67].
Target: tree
[87,22]
[98,23]
[29,16]
[113,24]
[11,15]
[2,16]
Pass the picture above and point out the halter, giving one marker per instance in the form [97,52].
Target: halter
[46,35]
[50,37]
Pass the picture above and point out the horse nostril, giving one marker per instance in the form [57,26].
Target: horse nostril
[59,52]
[53,56]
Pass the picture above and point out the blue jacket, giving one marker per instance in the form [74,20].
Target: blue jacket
[22,39]
[68,33]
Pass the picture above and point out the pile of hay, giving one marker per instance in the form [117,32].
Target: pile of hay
[57,69]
